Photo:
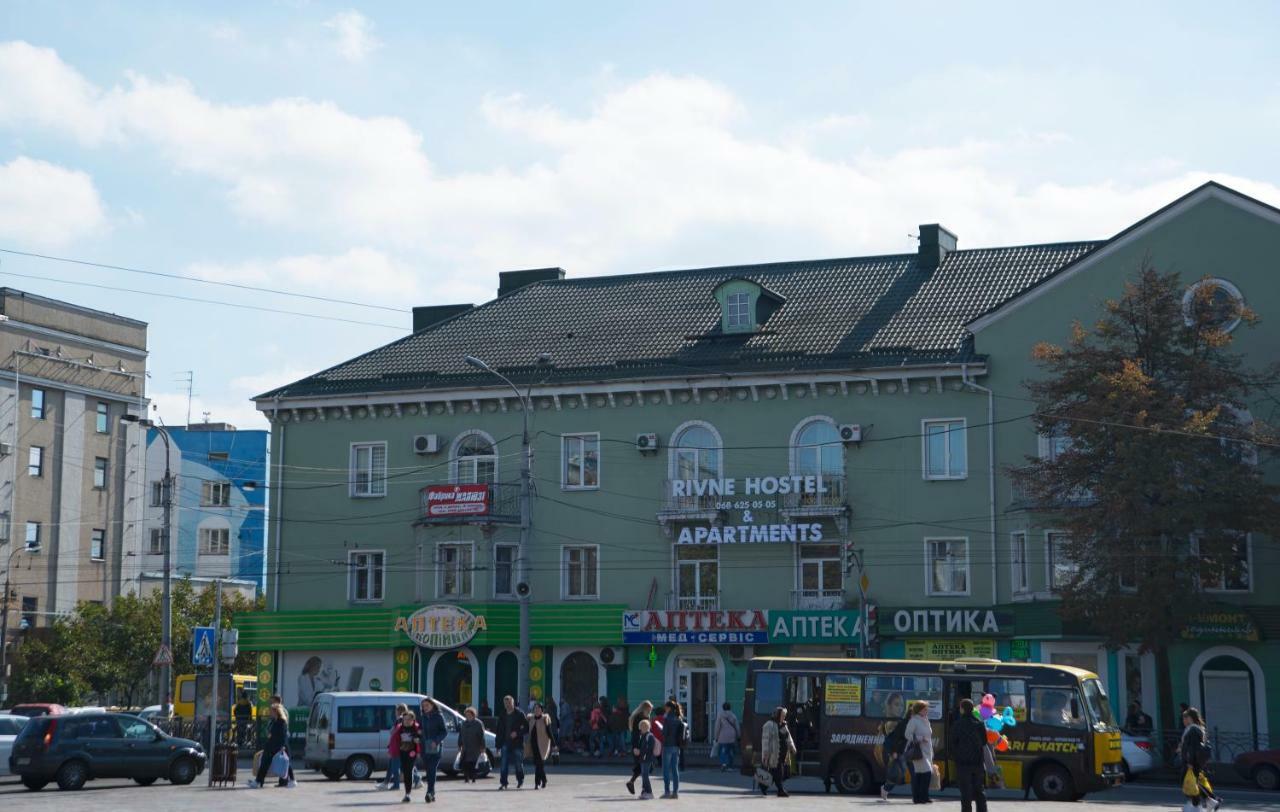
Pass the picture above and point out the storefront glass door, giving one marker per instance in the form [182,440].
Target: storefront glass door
[698,691]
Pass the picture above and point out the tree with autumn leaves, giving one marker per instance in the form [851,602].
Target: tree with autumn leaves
[1156,476]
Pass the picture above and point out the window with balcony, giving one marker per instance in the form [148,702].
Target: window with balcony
[697,576]
[368,576]
[1225,562]
[946,454]
[455,568]
[580,461]
[97,544]
[475,460]
[581,572]
[816,450]
[100,473]
[948,561]
[821,577]
[695,456]
[1062,568]
[1018,563]
[504,570]
[368,470]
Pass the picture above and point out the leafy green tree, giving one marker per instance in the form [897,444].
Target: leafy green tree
[1155,476]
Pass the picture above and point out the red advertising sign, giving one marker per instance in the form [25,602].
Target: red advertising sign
[456,500]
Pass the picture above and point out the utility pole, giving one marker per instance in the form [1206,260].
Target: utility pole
[217,658]
[4,619]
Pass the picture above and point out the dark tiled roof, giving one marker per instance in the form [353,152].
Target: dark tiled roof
[838,314]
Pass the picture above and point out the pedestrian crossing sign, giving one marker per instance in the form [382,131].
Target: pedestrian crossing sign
[164,656]
[202,646]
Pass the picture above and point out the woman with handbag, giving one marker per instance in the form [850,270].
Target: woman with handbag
[276,753]
[640,714]
[434,732]
[919,751]
[726,736]
[470,745]
[776,750]
[1194,750]
[538,745]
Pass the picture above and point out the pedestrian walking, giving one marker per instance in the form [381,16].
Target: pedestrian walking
[470,744]
[640,714]
[674,734]
[553,719]
[920,751]
[510,731]
[600,728]
[407,737]
[776,749]
[1194,749]
[967,744]
[434,732]
[726,736]
[243,715]
[619,722]
[392,779]
[538,745]
[897,769]
[277,742]
[647,745]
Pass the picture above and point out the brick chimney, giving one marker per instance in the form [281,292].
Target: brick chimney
[935,243]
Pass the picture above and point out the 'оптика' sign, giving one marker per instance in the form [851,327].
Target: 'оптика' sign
[747,627]
[441,626]
[932,622]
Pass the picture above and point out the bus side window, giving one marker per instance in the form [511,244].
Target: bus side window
[768,693]
[1009,693]
[1056,707]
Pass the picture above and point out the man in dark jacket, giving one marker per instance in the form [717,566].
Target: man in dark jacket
[510,730]
[965,743]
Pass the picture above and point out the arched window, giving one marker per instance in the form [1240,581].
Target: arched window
[475,459]
[816,449]
[695,453]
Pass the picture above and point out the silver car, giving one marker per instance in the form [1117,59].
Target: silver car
[348,733]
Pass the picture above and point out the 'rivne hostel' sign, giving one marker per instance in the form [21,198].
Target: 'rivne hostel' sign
[747,530]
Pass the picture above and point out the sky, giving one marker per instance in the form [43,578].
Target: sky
[400,154]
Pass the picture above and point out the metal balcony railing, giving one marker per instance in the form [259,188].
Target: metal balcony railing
[706,503]
[817,599]
[692,603]
[1023,493]
[833,495]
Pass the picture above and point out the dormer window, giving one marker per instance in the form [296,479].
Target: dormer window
[737,312]
[745,305]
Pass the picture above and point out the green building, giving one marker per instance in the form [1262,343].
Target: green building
[712,451]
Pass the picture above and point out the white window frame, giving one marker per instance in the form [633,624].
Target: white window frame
[155,541]
[157,493]
[737,311]
[36,451]
[928,567]
[564,572]
[515,568]
[566,443]
[100,468]
[951,434]
[210,490]
[675,573]
[1051,446]
[376,487]
[468,572]
[455,473]
[1019,566]
[1225,590]
[205,541]
[98,536]
[28,536]
[351,575]
[673,453]
[1049,558]
[838,557]
[797,449]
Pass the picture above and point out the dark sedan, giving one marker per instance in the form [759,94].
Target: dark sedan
[1262,767]
[75,748]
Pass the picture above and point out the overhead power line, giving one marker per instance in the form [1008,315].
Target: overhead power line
[184,278]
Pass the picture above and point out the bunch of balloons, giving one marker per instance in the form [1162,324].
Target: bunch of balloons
[995,722]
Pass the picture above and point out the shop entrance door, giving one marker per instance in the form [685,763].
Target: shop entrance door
[698,691]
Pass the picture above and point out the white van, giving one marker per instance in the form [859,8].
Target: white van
[348,731]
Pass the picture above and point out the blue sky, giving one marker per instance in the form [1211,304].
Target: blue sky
[405,153]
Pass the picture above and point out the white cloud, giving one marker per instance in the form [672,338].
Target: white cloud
[233,406]
[659,171]
[365,271]
[42,204]
[354,33]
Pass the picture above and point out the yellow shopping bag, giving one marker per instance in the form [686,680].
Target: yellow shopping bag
[1190,787]
[1205,786]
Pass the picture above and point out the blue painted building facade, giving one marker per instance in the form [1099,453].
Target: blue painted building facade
[219,502]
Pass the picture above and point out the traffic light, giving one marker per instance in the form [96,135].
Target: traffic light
[873,628]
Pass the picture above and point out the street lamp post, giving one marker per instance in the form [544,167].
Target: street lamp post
[166,607]
[4,617]
[523,590]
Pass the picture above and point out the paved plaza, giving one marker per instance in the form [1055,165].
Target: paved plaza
[570,788]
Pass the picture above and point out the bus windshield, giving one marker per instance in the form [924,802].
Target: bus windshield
[1096,698]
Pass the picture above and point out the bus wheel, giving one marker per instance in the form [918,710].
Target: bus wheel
[1052,782]
[852,776]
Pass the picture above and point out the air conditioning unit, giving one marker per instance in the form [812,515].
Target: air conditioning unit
[740,653]
[613,655]
[851,433]
[646,442]
[426,444]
